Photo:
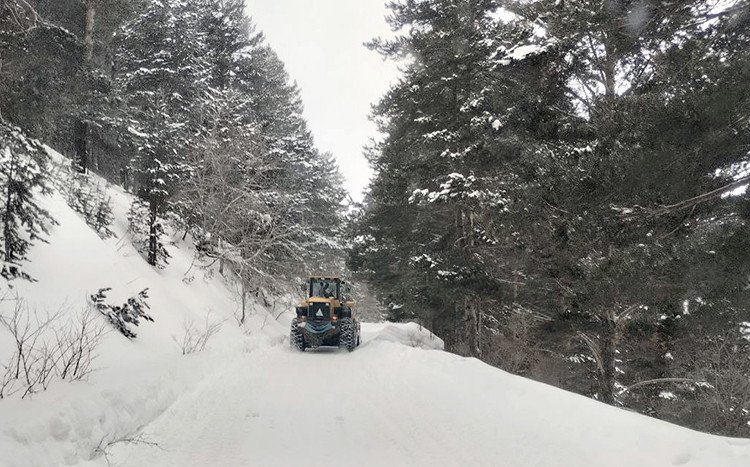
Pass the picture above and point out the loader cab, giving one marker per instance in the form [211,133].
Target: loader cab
[327,287]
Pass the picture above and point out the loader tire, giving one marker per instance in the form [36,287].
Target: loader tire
[296,339]
[347,336]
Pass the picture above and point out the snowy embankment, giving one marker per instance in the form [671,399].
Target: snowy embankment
[249,400]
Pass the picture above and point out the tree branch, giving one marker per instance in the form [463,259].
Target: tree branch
[701,198]
[657,381]
[594,350]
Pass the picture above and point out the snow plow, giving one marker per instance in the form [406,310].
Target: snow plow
[325,317]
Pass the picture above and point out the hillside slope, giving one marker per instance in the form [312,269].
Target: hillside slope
[133,381]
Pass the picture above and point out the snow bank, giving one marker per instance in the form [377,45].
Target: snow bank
[410,334]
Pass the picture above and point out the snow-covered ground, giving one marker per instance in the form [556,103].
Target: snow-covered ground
[248,400]
[389,403]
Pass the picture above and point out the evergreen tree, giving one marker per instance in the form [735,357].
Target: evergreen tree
[66,46]
[643,143]
[163,73]
[307,185]
[42,69]
[458,125]
[230,36]
[22,177]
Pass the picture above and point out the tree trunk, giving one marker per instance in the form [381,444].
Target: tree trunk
[244,300]
[89,37]
[82,130]
[610,70]
[7,230]
[81,142]
[468,328]
[153,235]
[608,345]
[457,332]
[609,75]
[476,314]
[221,258]
[471,229]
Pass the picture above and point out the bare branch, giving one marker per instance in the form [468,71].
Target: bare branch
[195,339]
[103,448]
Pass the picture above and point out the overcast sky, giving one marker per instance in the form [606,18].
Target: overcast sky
[320,42]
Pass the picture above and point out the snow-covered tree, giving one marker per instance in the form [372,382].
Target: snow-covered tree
[307,185]
[23,177]
[456,125]
[554,174]
[163,72]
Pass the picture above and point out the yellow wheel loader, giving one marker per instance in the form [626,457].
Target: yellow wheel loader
[325,317]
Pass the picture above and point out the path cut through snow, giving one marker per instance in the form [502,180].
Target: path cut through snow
[393,402]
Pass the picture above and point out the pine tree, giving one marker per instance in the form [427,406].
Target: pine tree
[69,102]
[42,69]
[307,192]
[22,178]
[456,124]
[162,70]
[230,36]
[638,145]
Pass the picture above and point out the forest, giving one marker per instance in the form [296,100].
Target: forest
[184,104]
[559,186]
[562,195]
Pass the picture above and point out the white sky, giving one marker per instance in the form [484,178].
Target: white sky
[320,42]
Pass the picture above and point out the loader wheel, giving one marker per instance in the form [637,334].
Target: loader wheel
[296,339]
[347,339]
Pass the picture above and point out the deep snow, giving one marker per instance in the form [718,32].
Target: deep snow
[389,403]
[248,400]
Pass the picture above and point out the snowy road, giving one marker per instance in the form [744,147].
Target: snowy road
[389,403]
